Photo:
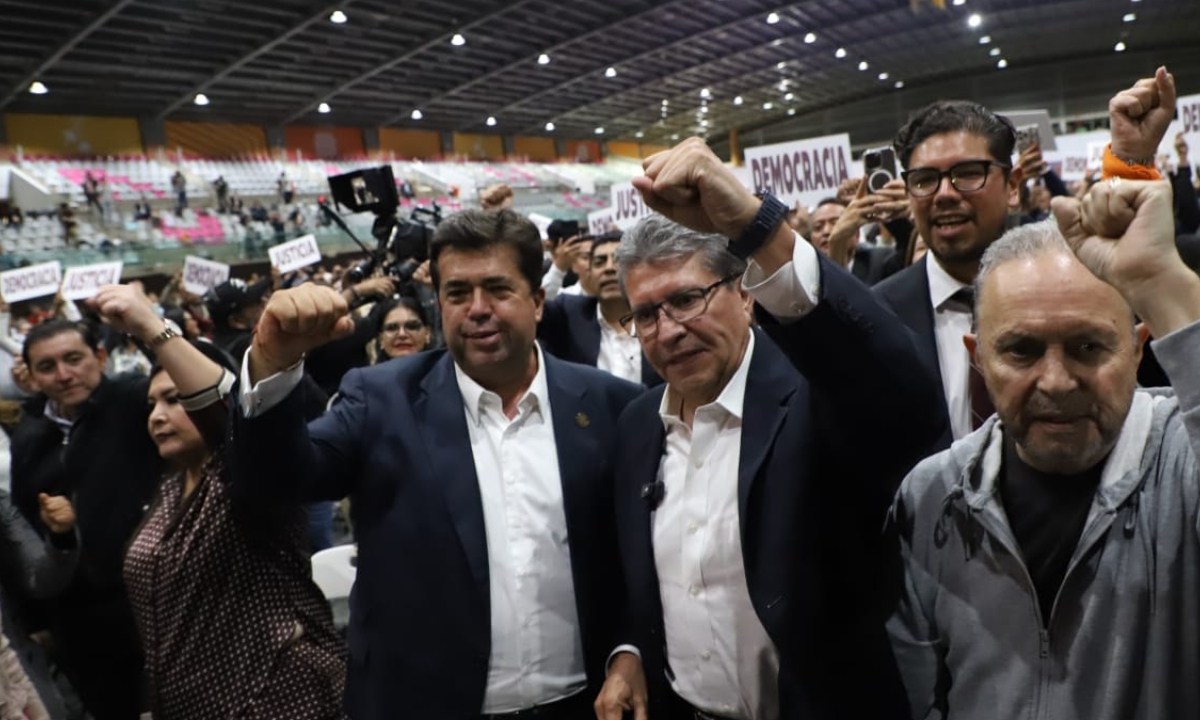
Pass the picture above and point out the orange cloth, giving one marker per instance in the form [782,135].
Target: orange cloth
[1114,166]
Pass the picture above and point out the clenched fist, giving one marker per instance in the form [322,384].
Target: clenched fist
[294,322]
[57,513]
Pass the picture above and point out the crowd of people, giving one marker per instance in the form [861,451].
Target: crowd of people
[924,452]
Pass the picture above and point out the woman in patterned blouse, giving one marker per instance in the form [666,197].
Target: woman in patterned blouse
[221,588]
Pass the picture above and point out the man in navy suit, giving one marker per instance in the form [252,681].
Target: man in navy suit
[750,516]
[587,329]
[480,480]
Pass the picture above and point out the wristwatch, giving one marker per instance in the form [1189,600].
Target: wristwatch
[170,330]
[769,215]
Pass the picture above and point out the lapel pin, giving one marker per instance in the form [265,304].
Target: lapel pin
[582,420]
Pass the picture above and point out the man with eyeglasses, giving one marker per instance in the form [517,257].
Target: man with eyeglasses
[749,519]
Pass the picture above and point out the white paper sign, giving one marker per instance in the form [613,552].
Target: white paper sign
[1072,152]
[600,221]
[541,222]
[1188,108]
[627,206]
[31,282]
[805,170]
[84,281]
[199,274]
[298,253]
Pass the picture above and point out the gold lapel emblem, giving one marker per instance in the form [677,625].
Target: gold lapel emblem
[582,420]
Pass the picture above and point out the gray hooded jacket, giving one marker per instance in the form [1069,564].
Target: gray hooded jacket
[1123,638]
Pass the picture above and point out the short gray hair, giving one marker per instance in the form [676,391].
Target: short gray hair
[657,239]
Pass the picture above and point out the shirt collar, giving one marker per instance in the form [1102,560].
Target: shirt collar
[941,285]
[605,327]
[475,395]
[51,413]
[732,398]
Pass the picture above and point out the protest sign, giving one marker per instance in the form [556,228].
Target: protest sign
[298,253]
[199,274]
[804,170]
[84,281]
[30,282]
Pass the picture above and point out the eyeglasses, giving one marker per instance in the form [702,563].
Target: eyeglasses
[410,326]
[965,177]
[681,307]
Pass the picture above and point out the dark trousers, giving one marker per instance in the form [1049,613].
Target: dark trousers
[99,650]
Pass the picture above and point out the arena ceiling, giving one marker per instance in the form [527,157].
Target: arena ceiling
[635,68]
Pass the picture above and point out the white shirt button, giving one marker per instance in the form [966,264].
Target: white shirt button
[692,528]
[706,655]
[694,590]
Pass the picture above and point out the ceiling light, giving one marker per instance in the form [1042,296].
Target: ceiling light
[417,115]
[639,134]
[458,40]
[780,65]
[323,108]
[337,17]
[975,20]
[705,93]
[960,2]
[1129,17]
[995,52]
[675,136]
[768,106]
[703,123]
[790,96]
[841,53]
[883,76]
[610,72]
[738,100]
[599,131]
[543,59]
[1002,64]
[777,42]
[810,38]
[37,88]
[201,98]
[490,122]
[985,39]
[666,102]
[791,111]
[549,127]
[772,18]
[899,84]
[703,108]
[1119,47]
[863,65]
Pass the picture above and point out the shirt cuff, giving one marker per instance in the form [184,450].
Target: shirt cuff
[793,291]
[268,392]
[620,649]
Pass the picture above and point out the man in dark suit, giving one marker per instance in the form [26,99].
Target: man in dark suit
[750,518]
[587,329]
[480,480]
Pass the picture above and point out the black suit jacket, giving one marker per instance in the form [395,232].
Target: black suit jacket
[570,331]
[811,503]
[872,264]
[398,444]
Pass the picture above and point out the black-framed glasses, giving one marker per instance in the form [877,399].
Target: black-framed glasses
[966,177]
[410,326]
[680,307]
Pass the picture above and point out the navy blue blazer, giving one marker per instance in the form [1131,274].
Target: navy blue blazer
[813,496]
[570,331]
[397,443]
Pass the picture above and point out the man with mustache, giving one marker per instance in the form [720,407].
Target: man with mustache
[480,478]
[587,329]
[1053,557]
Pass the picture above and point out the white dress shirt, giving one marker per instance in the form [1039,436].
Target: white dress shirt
[950,323]
[537,650]
[719,653]
[552,283]
[620,352]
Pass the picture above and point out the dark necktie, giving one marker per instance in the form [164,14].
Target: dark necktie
[981,402]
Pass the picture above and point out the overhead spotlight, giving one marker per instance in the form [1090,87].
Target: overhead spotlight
[810,38]
[768,106]
[777,42]
[37,88]
[675,136]
[665,102]
[781,65]
[705,93]
[790,96]
[975,20]
[994,52]
[863,65]
[985,39]
[200,99]
[738,100]
[703,109]
[549,127]
[417,115]
[543,59]
[599,131]
[841,53]
[1119,47]
[703,123]
[1129,17]
[610,72]
[337,17]
[458,40]
[883,76]
[791,111]
[323,108]
[639,134]
[772,18]
[899,84]
[490,122]
[1002,64]
[960,2]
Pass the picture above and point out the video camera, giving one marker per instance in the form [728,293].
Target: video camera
[402,244]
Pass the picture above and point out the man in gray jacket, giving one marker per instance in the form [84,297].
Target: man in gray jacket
[1052,557]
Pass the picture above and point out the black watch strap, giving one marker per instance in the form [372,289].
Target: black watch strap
[769,215]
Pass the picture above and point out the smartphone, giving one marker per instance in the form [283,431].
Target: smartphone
[570,228]
[1027,136]
[879,168]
